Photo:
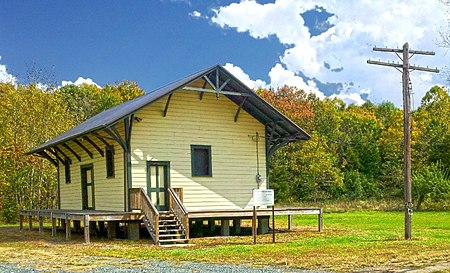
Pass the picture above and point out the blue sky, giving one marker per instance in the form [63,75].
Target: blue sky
[320,46]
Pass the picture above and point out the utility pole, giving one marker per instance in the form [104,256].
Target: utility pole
[405,68]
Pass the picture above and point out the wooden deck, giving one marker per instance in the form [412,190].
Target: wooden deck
[248,214]
[68,216]
[87,216]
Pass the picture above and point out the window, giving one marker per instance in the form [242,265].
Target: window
[67,171]
[109,151]
[201,160]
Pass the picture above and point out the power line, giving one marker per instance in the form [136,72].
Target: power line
[405,69]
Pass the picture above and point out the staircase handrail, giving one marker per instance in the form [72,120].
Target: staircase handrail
[180,211]
[140,200]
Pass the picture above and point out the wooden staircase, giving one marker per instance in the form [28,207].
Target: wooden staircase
[165,227]
[170,230]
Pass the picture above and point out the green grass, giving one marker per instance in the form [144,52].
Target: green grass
[350,241]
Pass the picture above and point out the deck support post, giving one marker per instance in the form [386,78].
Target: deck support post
[62,223]
[67,224]
[53,220]
[225,227]
[290,222]
[76,226]
[111,230]
[101,228]
[20,221]
[237,226]
[211,225]
[263,225]
[93,228]
[320,220]
[41,222]
[87,236]
[30,222]
[133,231]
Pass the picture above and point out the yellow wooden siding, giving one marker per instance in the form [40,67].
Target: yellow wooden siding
[191,121]
[108,192]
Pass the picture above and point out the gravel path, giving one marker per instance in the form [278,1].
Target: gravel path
[185,267]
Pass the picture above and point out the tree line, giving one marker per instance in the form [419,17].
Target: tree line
[31,115]
[355,152]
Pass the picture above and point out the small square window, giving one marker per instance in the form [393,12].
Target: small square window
[67,171]
[201,160]
[109,154]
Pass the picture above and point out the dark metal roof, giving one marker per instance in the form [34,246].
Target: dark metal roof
[254,105]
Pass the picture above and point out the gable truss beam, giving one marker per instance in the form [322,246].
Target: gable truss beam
[49,158]
[216,87]
[223,85]
[72,151]
[100,151]
[210,82]
[231,93]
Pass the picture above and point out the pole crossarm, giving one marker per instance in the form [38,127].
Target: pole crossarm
[399,65]
[400,50]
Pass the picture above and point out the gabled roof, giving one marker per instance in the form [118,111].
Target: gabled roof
[281,127]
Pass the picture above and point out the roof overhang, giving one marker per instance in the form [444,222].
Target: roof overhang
[280,130]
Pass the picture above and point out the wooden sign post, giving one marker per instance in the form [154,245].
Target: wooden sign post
[263,198]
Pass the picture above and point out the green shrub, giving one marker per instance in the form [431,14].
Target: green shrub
[432,183]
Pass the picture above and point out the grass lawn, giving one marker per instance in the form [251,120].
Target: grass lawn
[350,241]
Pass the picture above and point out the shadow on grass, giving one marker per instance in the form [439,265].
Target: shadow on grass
[14,235]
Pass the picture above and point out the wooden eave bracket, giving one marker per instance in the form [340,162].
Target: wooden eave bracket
[45,155]
[124,142]
[201,93]
[72,151]
[114,133]
[66,158]
[236,116]
[99,150]
[53,152]
[167,105]
[128,124]
[89,153]
[102,138]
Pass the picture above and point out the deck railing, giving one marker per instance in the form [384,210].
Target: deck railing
[176,205]
[140,200]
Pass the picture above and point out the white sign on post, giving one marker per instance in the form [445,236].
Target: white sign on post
[263,197]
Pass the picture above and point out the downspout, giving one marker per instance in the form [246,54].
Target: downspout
[128,128]
[125,182]
[266,142]
[59,184]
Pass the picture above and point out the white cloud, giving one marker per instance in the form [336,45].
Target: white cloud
[357,27]
[244,77]
[197,14]
[80,81]
[5,76]
[280,76]
[352,98]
